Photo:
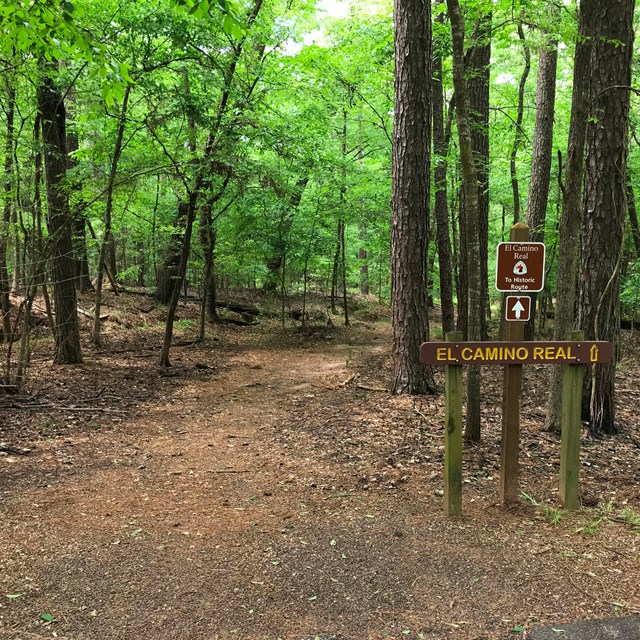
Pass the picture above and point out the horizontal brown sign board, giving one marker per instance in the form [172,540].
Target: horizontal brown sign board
[466,353]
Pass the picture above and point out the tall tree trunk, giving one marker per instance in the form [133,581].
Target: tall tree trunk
[190,210]
[471,207]
[51,108]
[108,208]
[343,197]
[208,237]
[363,256]
[335,270]
[477,72]
[441,210]
[517,136]
[542,150]
[344,274]
[410,195]
[571,200]
[8,207]
[633,216]
[605,198]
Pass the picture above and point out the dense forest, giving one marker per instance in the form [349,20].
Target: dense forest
[183,146]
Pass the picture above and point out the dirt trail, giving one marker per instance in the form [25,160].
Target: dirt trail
[244,505]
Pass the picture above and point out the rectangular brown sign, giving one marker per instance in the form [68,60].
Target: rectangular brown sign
[520,266]
[467,353]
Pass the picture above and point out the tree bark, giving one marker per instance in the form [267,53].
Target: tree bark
[5,305]
[410,195]
[51,108]
[471,207]
[441,209]
[571,201]
[517,137]
[477,70]
[605,198]
[633,217]
[542,150]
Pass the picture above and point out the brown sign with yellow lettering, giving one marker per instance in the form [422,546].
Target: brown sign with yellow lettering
[483,353]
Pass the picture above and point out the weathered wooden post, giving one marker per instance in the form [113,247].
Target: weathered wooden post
[453,434]
[510,448]
[572,377]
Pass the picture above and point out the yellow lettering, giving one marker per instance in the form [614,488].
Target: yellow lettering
[478,354]
[522,353]
[441,353]
[492,354]
[570,355]
[560,354]
[548,353]
[466,353]
[538,353]
[509,353]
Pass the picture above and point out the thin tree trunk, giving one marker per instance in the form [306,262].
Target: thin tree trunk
[341,235]
[517,137]
[441,211]
[106,241]
[633,217]
[542,150]
[180,276]
[5,305]
[571,200]
[477,73]
[364,264]
[334,271]
[344,275]
[470,187]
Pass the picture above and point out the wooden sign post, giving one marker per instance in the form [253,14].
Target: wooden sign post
[570,430]
[509,458]
[453,434]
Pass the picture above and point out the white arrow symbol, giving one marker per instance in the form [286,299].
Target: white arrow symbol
[518,308]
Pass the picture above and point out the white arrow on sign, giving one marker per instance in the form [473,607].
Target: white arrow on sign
[518,309]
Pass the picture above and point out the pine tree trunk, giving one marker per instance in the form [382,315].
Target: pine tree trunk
[8,207]
[605,198]
[633,217]
[472,222]
[441,209]
[410,195]
[51,107]
[477,76]
[542,150]
[571,201]
[517,137]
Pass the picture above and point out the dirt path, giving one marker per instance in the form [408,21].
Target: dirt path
[255,497]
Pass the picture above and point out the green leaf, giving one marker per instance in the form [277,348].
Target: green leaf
[13,596]
[517,629]
[48,618]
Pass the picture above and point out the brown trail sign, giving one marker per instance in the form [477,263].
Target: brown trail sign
[468,353]
[520,267]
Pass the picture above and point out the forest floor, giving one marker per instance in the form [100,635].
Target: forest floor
[266,486]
